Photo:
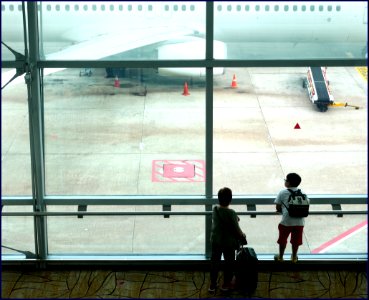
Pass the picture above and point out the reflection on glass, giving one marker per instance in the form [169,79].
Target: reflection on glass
[158,30]
[124,131]
[345,235]
[122,30]
[261,30]
[15,148]
[17,233]
[257,142]
[125,234]
[11,28]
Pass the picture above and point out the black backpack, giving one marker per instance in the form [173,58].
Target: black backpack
[298,204]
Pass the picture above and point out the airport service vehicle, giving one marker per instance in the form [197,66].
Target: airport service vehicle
[317,86]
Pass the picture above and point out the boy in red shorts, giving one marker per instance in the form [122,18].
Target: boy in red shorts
[288,225]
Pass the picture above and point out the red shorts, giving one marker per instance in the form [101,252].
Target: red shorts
[285,231]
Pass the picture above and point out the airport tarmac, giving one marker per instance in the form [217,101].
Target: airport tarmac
[107,140]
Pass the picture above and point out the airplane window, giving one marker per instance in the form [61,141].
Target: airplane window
[338,8]
[247,7]
[150,7]
[76,7]
[321,8]
[20,7]
[229,7]
[166,7]
[192,7]
[57,7]
[303,8]
[48,7]
[130,7]
[238,7]
[94,7]
[257,7]
[276,7]
[266,7]
[120,7]
[175,7]
[286,7]
[295,8]
[103,7]
[329,8]
[111,7]
[312,7]
[85,7]
[67,7]
[184,7]
[219,8]
[140,7]
[2,7]
[11,7]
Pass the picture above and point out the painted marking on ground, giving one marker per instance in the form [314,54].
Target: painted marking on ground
[340,238]
[363,71]
[178,171]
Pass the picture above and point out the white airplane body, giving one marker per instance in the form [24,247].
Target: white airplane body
[97,30]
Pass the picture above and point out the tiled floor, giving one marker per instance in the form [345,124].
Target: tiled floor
[179,284]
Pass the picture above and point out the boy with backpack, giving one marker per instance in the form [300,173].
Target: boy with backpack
[294,206]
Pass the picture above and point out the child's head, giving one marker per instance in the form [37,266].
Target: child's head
[225,196]
[293,180]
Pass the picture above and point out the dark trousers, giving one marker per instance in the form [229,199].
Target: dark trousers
[229,259]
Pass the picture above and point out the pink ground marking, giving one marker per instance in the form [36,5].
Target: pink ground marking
[179,170]
[340,237]
[162,171]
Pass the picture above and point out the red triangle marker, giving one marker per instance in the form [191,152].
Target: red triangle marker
[297,126]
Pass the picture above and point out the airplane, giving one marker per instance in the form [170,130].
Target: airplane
[176,30]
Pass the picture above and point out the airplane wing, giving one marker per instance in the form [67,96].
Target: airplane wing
[108,44]
[121,41]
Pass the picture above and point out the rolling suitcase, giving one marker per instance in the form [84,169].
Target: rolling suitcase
[246,270]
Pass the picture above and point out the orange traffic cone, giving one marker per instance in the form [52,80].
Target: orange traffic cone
[185,90]
[234,81]
[116,82]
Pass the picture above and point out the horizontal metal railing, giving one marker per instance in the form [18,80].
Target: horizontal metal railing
[166,213]
[317,199]
[167,202]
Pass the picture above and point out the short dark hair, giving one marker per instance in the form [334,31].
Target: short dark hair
[225,196]
[294,179]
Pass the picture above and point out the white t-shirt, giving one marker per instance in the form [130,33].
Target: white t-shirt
[283,196]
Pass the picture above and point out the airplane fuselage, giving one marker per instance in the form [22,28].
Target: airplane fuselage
[177,30]
[233,21]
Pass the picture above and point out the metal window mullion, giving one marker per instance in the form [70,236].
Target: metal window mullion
[209,121]
[35,115]
[30,127]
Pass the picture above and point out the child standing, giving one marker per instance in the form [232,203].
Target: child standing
[288,225]
[225,236]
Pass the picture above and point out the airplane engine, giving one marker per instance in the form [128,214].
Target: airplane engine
[192,49]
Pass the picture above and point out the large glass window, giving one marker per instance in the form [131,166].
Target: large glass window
[345,235]
[302,33]
[17,233]
[11,28]
[136,31]
[267,126]
[124,131]
[142,234]
[15,142]
[155,121]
